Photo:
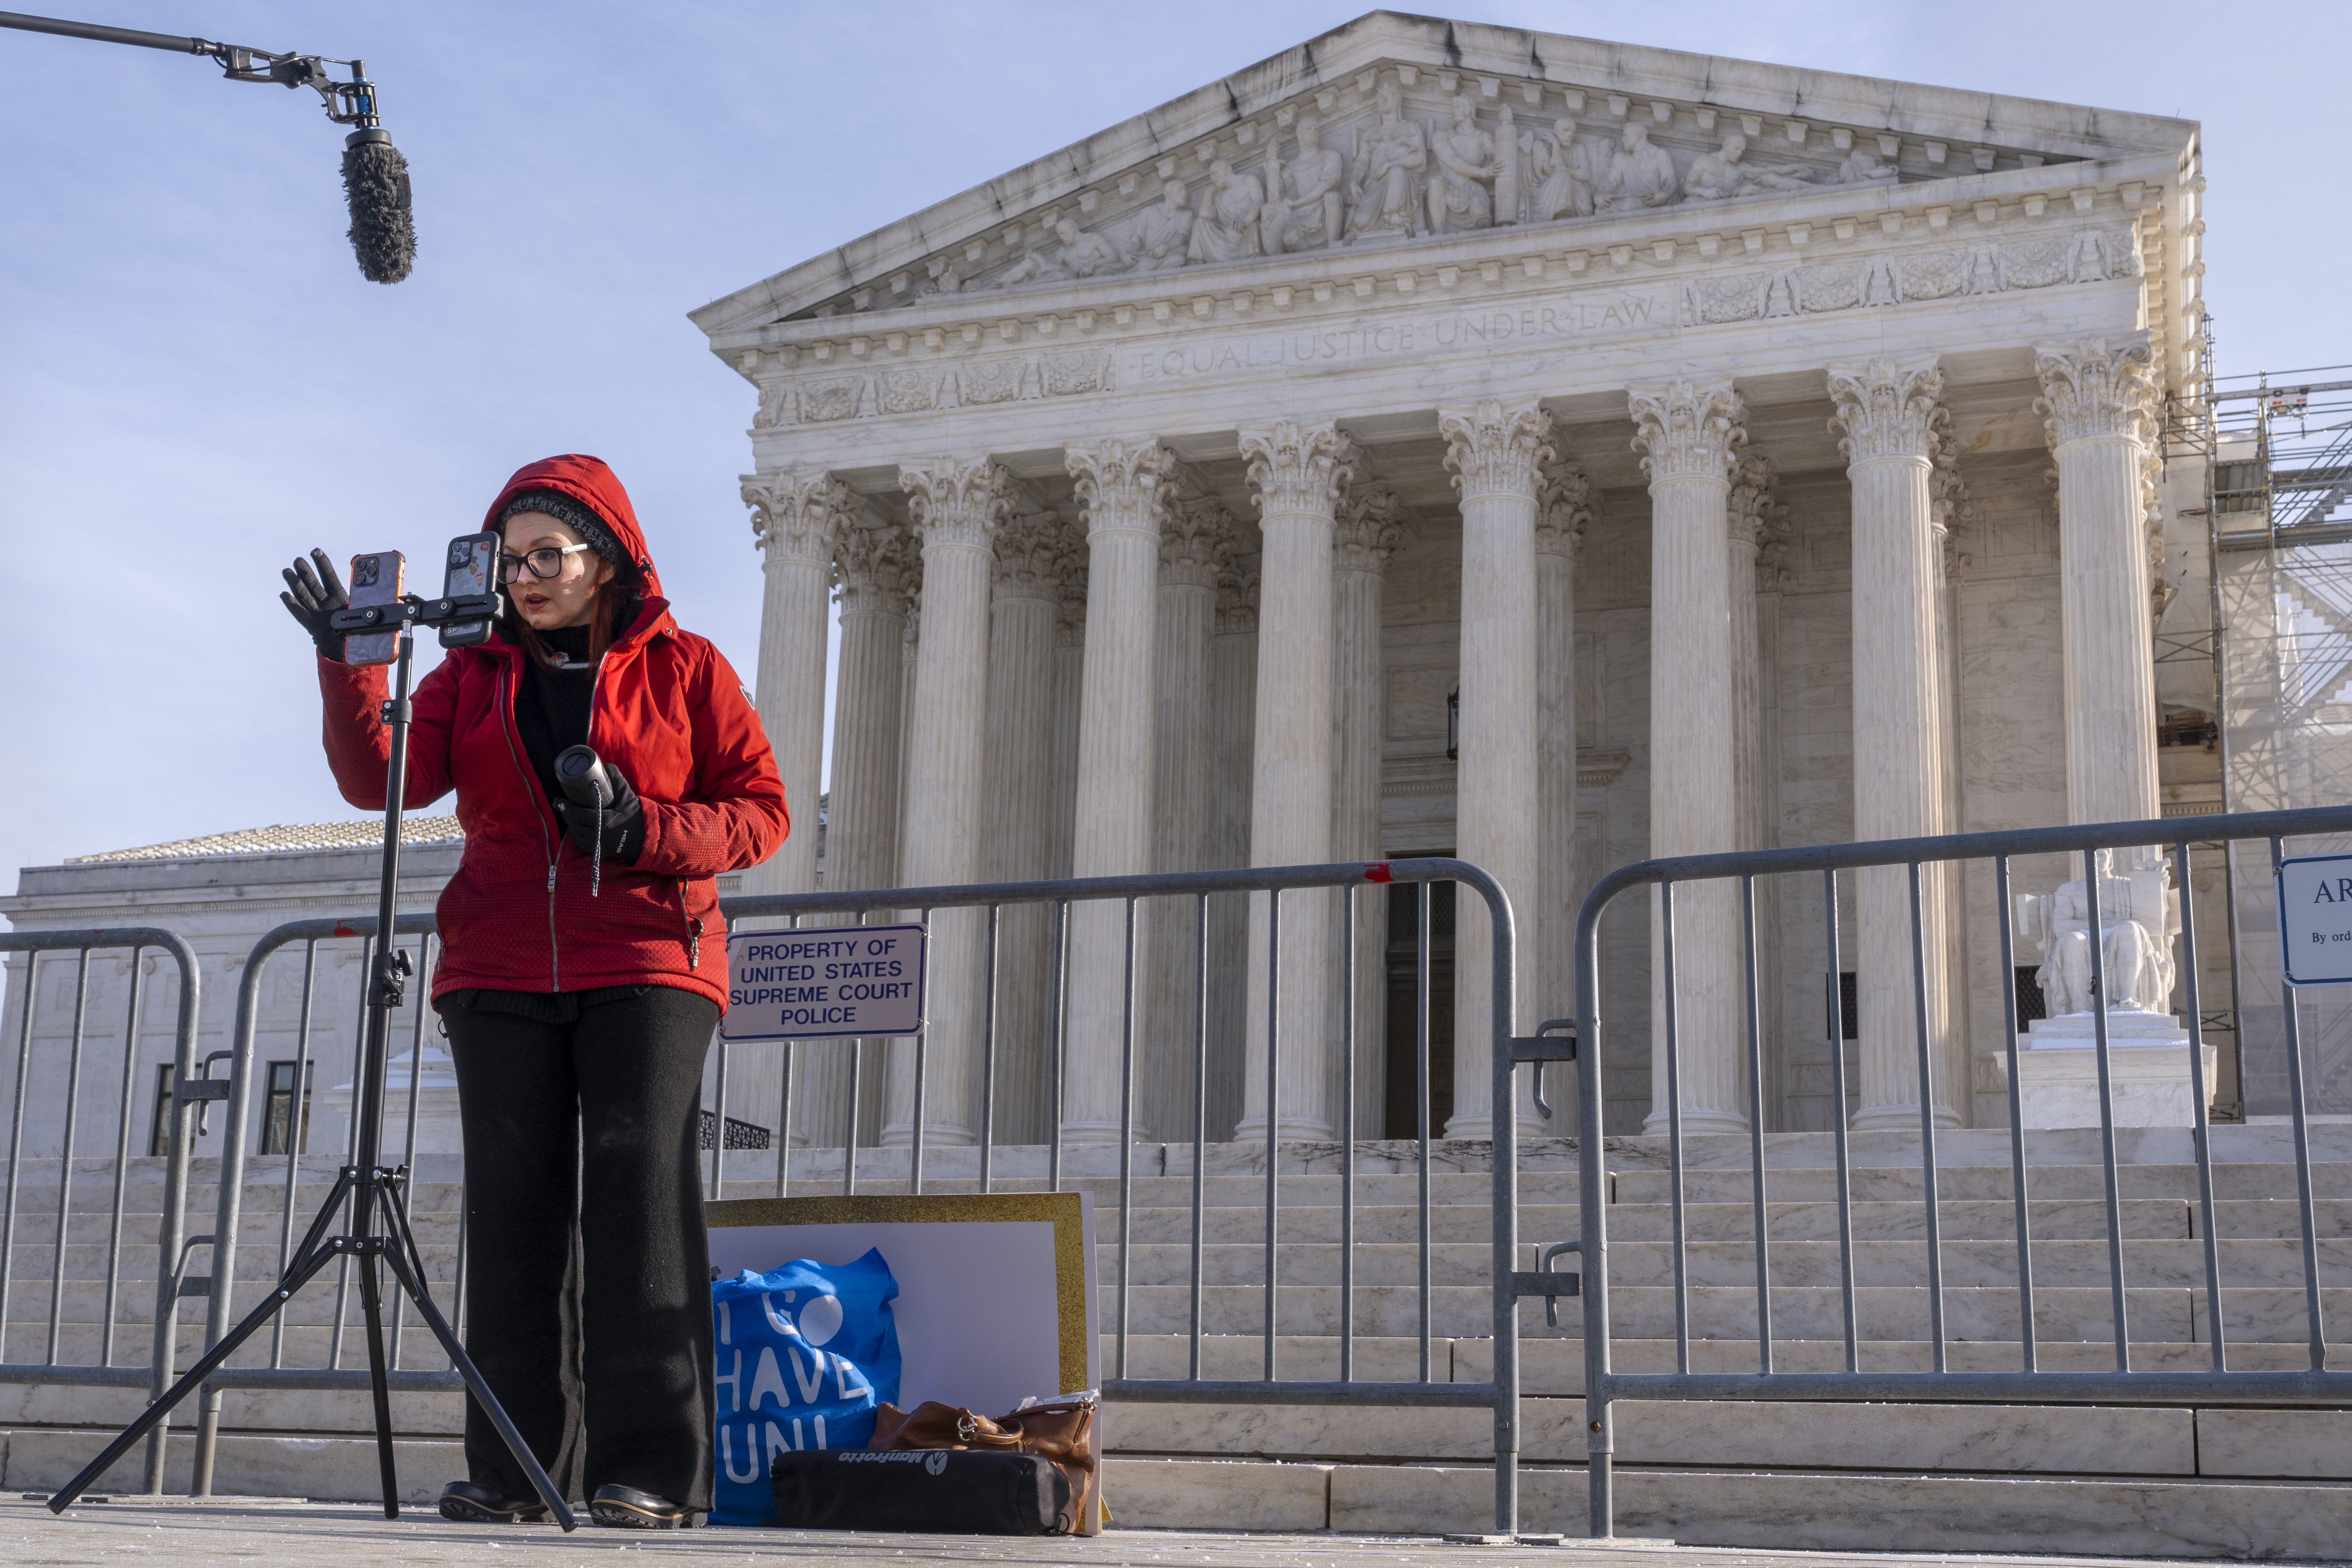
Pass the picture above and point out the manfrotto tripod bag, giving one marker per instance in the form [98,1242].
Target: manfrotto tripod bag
[935,1490]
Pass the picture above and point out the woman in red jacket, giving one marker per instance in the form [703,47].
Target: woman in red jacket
[579,986]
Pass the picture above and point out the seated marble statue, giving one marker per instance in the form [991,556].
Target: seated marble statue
[2139,913]
[1227,229]
[1558,174]
[1639,174]
[1160,238]
[1719,176]
[1862,168]
[1085,254]
[1303,198]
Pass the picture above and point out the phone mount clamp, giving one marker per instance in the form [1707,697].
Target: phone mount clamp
[376,1192]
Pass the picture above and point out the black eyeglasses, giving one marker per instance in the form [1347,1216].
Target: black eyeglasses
[544,562]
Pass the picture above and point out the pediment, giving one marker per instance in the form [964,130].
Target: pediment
[1513,129]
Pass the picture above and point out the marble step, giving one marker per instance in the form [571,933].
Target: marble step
[306,1344]
[1718,1311]
[2244,1263]
[1983,1183]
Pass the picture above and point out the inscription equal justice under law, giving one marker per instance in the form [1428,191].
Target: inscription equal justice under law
[1570,317]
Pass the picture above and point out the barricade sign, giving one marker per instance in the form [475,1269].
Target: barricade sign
[824,983]
[2315,894]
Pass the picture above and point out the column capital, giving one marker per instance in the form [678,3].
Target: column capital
[1691,429]
[1887,408]
[1949,508]
[1563,508]
[1495,449]
[2092,387]
[1028,563]
[798,514]
[870,572]
[1367,527]
[1299,467]
[957,500]
[1237,582]
[1193,540]
[1121,483]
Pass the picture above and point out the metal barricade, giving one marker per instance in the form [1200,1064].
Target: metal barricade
[187,1092]
[1197,888]
[1604,1386]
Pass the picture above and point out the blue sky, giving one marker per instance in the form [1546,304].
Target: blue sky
[195,383]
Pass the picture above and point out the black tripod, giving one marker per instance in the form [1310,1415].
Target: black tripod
[375,1191]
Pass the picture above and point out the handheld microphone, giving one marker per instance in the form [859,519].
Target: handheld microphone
[580,772]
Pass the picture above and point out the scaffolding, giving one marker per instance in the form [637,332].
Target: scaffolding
[2275,451]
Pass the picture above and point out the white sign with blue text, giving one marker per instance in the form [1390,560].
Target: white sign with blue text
[825,982]
[2315,918]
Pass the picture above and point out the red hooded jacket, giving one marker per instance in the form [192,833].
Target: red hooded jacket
[666,710]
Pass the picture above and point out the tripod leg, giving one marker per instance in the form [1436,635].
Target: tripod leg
[371,1305]
[396,1255]
[294,1279]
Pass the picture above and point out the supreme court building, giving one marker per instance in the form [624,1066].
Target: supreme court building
[1445,438]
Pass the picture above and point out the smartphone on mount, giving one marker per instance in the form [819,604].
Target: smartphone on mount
[473,569]
[377,578]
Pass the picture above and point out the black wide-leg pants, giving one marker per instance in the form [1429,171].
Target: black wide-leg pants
[588,1273]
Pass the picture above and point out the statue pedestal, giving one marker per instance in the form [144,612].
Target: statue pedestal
[2148,1061]
[437,1128]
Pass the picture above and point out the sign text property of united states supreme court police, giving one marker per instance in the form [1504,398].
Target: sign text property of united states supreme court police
[847,980]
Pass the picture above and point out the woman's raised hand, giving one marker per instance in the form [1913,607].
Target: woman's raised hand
[313,597]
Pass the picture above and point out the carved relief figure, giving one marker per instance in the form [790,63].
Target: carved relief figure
[1717,176]
[1862,168]
[1304,201]
[1458,197]
[1227,229]
[1162,234]
[1390,157]
[1086,255]
[1033,268]
[1640,175]
[1558,172]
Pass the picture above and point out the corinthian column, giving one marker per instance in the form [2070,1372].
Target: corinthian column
[1195,534]
[862,818]
[1497,455]
[1759,530]
[2099,400]
[1369,526]
[1298,472]
[958,503]
[1691,431]
[797,519]
[1232,685]
[1889,411]
[1119,484]
[1562,514]
[1017,845]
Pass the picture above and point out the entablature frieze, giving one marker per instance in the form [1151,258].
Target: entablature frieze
[1960,286]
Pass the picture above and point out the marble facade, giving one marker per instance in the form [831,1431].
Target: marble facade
[1717,427]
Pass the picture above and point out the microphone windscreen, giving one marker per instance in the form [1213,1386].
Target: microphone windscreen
[375,183]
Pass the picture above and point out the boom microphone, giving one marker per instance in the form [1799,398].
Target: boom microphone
[375,176]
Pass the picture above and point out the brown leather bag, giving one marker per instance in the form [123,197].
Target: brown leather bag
[1061,1430]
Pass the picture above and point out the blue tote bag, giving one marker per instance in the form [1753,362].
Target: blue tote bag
[805,1354]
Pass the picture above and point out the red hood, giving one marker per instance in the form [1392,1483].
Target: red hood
[587,481]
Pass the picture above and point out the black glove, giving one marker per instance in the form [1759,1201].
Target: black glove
[312,597]
[624,821]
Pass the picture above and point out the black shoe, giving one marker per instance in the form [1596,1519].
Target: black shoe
[469,1502]
[626,1508]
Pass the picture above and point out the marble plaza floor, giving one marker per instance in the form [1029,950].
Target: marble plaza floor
[177,1531]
